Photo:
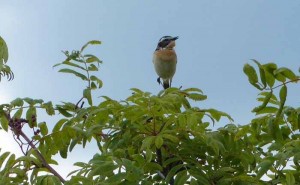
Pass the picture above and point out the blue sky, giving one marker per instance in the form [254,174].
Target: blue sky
[216,38]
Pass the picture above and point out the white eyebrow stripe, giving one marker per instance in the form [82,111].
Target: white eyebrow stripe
[165,38]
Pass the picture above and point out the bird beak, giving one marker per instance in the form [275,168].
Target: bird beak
[174,38]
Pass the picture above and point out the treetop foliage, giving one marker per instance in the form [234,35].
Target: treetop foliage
[156,138]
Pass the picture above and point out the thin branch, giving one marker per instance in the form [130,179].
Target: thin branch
[41,157]
[16,128]
[283,83]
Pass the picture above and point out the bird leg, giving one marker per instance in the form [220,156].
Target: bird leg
[158,80]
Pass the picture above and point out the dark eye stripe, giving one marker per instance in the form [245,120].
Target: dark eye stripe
[164,43]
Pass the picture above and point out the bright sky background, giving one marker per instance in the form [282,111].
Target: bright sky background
[216,38]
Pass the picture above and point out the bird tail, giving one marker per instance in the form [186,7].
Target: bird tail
[167,83]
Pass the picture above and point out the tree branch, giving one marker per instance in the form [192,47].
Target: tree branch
[41,157]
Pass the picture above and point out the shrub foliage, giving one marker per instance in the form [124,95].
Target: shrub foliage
[154,138]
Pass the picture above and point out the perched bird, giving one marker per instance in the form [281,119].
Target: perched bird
[165,60]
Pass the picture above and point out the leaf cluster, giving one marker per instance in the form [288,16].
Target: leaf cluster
[156,138]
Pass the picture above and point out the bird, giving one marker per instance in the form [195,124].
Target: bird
[165,60]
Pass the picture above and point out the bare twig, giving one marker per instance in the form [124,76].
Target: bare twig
[284,83]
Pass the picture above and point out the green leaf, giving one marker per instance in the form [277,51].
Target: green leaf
[10,161]
[193,90]
[18,102]
[181,178]
[18,114]
[3,50]
[43,128]
[65,70]
[30,101]
[116,179]
[170,137]
[4,122]
[3,157]
[92,59]
[283,93]
[159,141]
[217,114]
[64,112]
[97,80]
[265,102]
[263,167]
[92,42]
[147,142]
[290,179]
[261,73]
[270,78]
[282,96]
[280,77]
[49,108]
[266,110]
[251,73]
[197,97]
[269,71]
[286,72]
[64,152]
[92,67]
[88,96]
[69,63]
[173,171]
[31,116]
[148,155]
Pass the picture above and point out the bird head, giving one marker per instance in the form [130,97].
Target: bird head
[166,42]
